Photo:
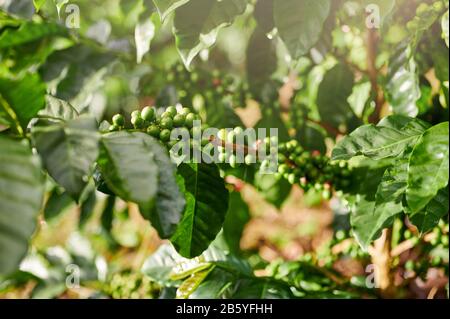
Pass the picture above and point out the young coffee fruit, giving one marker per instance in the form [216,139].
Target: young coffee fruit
[118,120]
[148,114]
[164,136]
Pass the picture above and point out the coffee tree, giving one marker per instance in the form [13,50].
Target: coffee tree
[147,105]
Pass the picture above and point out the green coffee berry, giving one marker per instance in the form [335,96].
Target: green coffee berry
[148,114]
[164,136]
[135,114]
[166,123]
[153,130]
[190,118]
[118,120]
[137,122]
[172,110]
[179,120]
[185,111]
[250,159]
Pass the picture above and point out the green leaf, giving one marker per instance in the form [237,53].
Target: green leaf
[68,151]
[20,107]
[381,141]
[165,7]
[129,168]
[191,284]
[170,201]
[217,285]
[274,190]
[261,60]
[371,213]
[21,195]
[143,35]
[38,4]
[300,23]
[159,266]
[206,207]
[261,288]
[56,203]
[428,167]
[428,218]
[445,27]
[334,92]
[311,137]
[402,87]
[197,23]
[88,200]
[28,32]
[58,109]
[237,217]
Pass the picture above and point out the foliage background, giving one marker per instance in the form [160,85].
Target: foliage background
[313,70]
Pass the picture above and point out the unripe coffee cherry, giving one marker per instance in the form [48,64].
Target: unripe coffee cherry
[118,120]
[250,159]
[148,114]
[136,113]
[164,136]
[179,120]
[185,111]
[167,123]
[172,110]
[153,130]
[137,122]
[190,118]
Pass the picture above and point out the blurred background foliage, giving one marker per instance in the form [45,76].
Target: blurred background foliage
[123,57]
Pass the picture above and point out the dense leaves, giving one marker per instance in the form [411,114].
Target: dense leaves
[21,194]
[206,206]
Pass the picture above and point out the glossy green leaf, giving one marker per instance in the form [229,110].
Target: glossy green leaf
[165,7]
[129,168]
[428,218]
[143,35]
[261,60]
[191,284]
[56,203]
[170,202]
[428,167]
[274,190]
[237,217]
[379,199]
[29,31]
[20,108]
[300,23]
[206,207]
[68,151]
[21,195]
[402,87]
[160,264]
[332,97]
[197,23]
[388,139]
[38,4]
[58,109]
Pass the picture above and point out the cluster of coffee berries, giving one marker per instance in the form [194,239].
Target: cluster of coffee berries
[235,147]
[423,13]
[212,85]
[157,124]
[312,169]
[131,285]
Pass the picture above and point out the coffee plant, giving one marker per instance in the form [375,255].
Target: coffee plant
[141,145]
